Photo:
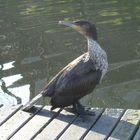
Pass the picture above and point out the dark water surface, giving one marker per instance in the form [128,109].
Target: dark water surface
[33,47]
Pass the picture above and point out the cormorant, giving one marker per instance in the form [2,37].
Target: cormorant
[79,77]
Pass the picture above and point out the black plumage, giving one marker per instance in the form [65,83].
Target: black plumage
[73,82]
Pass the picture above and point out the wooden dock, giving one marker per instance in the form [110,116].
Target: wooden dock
[42,124]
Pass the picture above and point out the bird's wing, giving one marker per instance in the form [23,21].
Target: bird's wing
[79,78]
[49,88]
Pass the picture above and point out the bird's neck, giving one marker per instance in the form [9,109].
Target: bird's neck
[93,47]
[98,55]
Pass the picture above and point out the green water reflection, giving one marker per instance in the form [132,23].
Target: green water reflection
[33,47]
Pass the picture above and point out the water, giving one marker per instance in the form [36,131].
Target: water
[33,47]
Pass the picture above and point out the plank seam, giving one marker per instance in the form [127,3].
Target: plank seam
[115,124]
[68,125]
[10,115]
[135,130]
[45,125]
[27,120]
[86,132]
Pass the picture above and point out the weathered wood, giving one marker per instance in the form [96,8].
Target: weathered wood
[33,126]
[137,136]
[79,127]
[126,126]
[56,127]
[6,112]
[43,124]
[105,124]
[12,124]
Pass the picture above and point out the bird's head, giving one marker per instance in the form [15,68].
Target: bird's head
[84,27]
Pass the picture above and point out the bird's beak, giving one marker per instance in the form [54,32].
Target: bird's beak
[71,24]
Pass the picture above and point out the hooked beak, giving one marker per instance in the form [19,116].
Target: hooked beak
[72,25]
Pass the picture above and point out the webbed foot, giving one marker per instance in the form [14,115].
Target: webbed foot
[79,109]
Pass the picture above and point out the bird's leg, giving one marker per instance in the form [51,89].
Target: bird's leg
[79,109]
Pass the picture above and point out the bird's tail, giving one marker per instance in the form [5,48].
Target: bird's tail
[30,104]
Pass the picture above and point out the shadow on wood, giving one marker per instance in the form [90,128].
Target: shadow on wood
[43,123]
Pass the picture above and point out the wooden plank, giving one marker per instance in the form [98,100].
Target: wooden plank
[105,124]
[6,112]
[137,136]
[17,124]
[57,126]
[127,125]
[79,127]
[12,124]
[33,126]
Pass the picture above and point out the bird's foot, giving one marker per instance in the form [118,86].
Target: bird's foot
[82,110]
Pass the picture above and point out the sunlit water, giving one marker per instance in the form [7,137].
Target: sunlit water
[33,47]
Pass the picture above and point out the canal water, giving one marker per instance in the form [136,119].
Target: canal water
[33,47]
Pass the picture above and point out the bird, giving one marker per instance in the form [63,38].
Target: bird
[80,77]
